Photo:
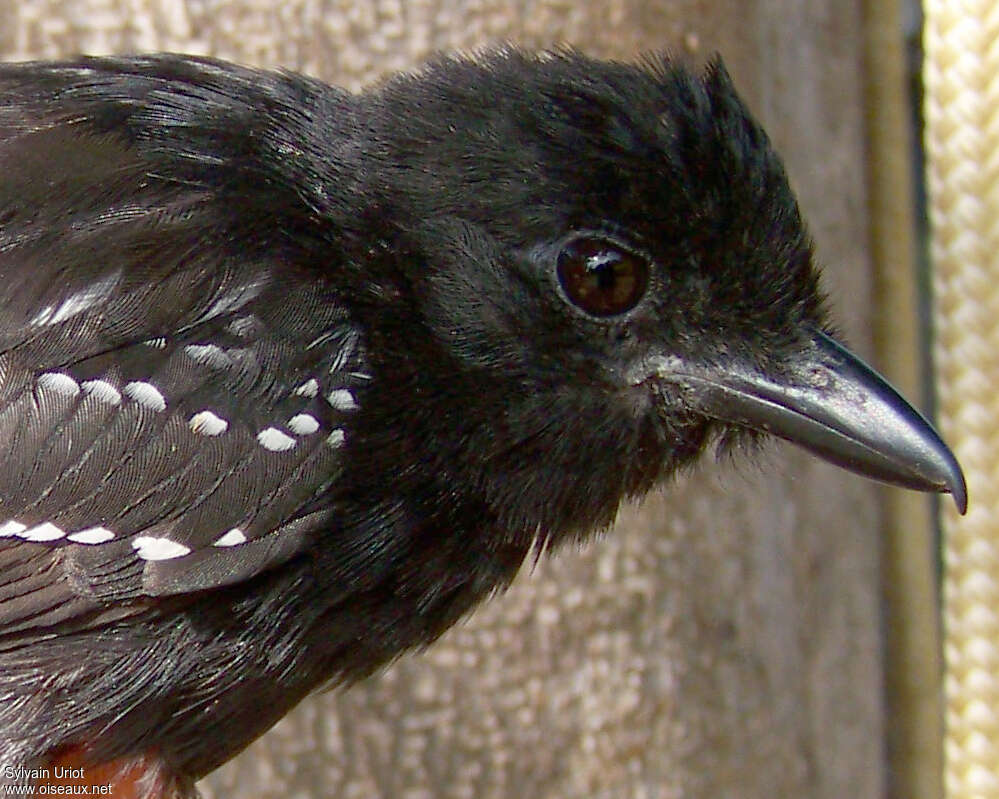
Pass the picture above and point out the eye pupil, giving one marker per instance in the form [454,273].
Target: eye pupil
[600,277]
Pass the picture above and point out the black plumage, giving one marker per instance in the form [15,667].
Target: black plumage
[290,378]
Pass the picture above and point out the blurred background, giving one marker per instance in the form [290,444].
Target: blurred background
[760,629]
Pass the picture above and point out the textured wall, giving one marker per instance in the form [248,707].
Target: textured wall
[723,641]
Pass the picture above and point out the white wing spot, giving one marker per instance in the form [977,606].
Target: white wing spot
[303,424]
[236,297]
[343,355]
[336,438]
[7,529]
[146,394]
[149,547]
[78,302]
[244,326]
[207,424]
[308,389]
[59,383]
[101,390]
[43,316]
[208,355]
[233,538]
[273,439]
[42,532]
[158,343]
[92,535]
[342,399]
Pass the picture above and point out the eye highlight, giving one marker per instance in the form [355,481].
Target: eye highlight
[601,278]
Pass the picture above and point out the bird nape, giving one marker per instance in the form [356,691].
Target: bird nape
[291,378]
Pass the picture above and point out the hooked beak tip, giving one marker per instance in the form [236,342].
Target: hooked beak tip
[957,487]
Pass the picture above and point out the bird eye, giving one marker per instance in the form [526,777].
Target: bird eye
[600,278]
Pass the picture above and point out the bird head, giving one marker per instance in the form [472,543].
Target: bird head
[611,271]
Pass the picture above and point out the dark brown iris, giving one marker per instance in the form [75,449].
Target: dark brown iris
[600,277]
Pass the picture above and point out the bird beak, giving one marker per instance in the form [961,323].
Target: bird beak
[834,405]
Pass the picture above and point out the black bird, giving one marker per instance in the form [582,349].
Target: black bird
[290,378]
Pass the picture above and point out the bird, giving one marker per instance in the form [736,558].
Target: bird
[292,378]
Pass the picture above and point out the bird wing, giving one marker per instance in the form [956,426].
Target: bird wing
[174,383]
